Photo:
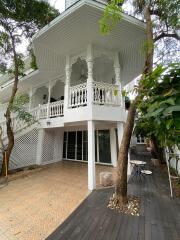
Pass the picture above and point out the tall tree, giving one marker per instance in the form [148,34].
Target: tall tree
[161,18]
[19,20]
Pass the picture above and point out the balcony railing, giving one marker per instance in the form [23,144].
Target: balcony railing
[54,109]
[43,111]
[78,95]
[106,94]
[102,94]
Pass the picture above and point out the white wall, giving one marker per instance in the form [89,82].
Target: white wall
[24,151]
[173,161]
[96,112]
[52,146]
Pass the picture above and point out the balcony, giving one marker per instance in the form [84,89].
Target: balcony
[105,103]
[88,100]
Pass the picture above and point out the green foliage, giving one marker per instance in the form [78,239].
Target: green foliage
[21,65]
[111,16]
[29,14]
[165,16]
[169,12]
[20,19]
[159,105]
[19,107]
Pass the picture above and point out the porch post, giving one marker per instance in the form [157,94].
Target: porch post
[67,83]
[120,129]
[90,75]
[91,156]
[129,165]
[113,147]
[41,135]
[117,70]
[49,99]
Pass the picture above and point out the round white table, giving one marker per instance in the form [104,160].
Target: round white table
[138,167]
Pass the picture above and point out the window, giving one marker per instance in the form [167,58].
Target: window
[140,139]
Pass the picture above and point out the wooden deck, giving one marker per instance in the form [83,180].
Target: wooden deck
[159,220]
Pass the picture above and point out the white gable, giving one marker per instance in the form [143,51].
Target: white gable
[69,3]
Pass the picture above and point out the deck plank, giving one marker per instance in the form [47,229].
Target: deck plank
[159,219]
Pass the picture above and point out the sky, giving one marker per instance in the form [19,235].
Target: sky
[59,4]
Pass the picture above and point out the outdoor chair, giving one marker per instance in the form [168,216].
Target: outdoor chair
[146,173]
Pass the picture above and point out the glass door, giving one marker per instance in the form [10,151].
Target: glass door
[79,146]
[85,146]
[71,146]
[104,146]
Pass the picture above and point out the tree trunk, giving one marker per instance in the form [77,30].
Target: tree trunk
[154,151]
[4,170]
[121,178]
[121,173]
[157,150]
[9,128]
[10,134]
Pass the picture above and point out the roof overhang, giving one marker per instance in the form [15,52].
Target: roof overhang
[74,29]
[71,32]
[34,79]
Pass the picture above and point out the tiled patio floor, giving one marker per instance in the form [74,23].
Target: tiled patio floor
[31,207]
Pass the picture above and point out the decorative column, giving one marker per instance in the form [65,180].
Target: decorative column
[90,75]
[67,83]
[41,135]
[113,147]
[49,99]
[91,156]
[117,70]
[120,129]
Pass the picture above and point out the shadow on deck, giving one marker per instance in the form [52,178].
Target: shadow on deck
[159,219]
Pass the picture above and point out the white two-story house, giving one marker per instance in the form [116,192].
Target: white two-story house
[76,93]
